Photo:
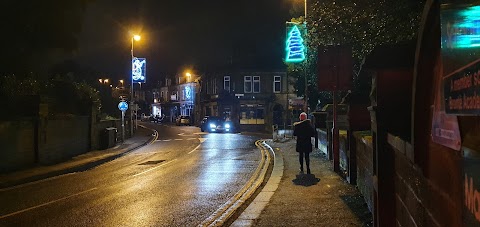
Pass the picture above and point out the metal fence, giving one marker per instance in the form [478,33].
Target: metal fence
[282,131]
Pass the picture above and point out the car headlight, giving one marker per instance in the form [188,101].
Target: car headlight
[213,126]
[227,125]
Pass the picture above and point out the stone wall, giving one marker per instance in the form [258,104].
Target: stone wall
[16,144]
[63,138]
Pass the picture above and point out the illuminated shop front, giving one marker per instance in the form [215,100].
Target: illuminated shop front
[252,114]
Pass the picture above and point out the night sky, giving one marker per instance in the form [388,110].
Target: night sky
[175,34]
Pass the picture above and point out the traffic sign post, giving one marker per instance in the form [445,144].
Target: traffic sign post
[123,106]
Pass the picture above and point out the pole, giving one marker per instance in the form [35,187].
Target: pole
[131,93]
[123,126]
[306,87]
[336,152]
[305,64]
[305,10]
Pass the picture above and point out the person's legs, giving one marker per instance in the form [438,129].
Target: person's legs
[300,159]
[307,160]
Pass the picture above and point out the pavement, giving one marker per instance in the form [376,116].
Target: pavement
[291,198]
[282,197]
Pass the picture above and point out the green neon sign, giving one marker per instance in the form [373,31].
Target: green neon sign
[294,46]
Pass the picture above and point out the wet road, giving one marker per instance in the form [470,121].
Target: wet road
[179,180]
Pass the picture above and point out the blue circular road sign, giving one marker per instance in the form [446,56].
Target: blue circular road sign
[122,106]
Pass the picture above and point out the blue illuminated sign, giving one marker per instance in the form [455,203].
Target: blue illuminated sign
[188,93]
[294,46]
[139,70]
[123,106]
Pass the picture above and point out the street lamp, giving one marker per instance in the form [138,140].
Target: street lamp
[134,38]
[103,81]
[305,67]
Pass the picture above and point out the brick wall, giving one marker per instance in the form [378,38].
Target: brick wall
[16,145]
[424,200]
[364,155]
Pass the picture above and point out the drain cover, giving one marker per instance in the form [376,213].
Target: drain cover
[152,162]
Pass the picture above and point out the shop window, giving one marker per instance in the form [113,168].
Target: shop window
[252,115]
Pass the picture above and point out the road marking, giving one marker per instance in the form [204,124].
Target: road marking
[178,139]
[194,149]
[181,134]
[191,138]
[148,170]
[201,141]
[201,133]
[45,204]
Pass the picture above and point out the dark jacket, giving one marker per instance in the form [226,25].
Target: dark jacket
[303,130]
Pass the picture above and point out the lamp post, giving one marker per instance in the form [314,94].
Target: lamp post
[189,76]
[305,63]
[134,38]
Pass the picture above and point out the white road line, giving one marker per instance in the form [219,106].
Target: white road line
[191,138]
[45,204]
[148,170]
[167,140]
[178,139]
[194,149]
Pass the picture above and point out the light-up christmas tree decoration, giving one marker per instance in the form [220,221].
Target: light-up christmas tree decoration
[294,46]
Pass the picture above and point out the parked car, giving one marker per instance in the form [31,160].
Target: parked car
[216,124]
[183,120]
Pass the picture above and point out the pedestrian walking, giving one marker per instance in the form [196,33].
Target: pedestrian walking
[304,130]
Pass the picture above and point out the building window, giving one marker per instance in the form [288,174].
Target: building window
[247,84]
[161,94]
[276,84]
[226,83]
[256,84]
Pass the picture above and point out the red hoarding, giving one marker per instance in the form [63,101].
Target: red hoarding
[335,68]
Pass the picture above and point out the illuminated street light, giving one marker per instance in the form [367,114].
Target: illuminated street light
[103,81]
[121,82]
[137,37]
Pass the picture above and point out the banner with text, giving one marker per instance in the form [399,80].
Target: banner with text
[462,90]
